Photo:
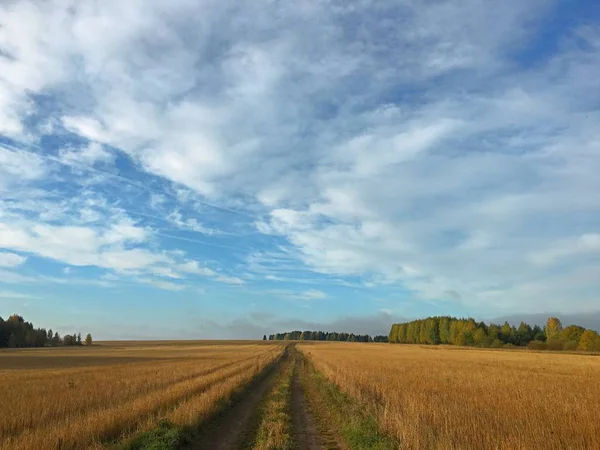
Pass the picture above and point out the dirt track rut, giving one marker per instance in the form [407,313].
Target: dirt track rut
[306,435]
[234,428]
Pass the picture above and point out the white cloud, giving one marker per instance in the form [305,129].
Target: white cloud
[11,259]
[87,156]
[12,277]
[370,154]
[89,128]
[194,268]
[167,272]
[311,294]
[81,246]
[9,276]
[17,296]
[17,166]
[581,245]
[230,280]
[191,224]
[425,150]
[161,284]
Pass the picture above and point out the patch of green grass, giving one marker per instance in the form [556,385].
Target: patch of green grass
[356,427]
[165,437]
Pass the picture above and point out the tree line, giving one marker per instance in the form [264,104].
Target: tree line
[468,332]
[324,336]
[15,332]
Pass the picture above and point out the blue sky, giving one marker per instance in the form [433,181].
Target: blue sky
[222,169]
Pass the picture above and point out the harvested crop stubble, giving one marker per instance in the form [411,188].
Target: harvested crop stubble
[80,407]
[443,398]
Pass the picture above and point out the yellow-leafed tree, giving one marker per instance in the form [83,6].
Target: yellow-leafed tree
[553,328]
[589,341]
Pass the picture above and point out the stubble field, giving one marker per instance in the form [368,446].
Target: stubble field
[92,397]
[454,398]
[266,395]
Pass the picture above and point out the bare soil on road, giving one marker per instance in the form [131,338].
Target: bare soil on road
[305,433]
[235,427]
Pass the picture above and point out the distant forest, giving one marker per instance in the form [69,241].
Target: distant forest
[16,332]
[468,332]
[324,336]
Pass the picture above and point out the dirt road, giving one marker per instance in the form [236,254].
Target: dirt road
[305,433]
[235,427]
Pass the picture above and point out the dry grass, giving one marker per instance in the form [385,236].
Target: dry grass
[437,398]
[120,390]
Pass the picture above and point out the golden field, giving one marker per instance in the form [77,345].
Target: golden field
[423,397]
[73,398]
[449,398]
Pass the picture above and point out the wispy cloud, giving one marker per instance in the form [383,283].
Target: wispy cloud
[161,284]
[230,280]
[86,156]
[17,296]
[307,295]
[11,259]
[191,224]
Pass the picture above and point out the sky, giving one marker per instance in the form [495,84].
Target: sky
[226,169]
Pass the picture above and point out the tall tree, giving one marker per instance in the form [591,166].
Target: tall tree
[479,336]
[507,333]
[553,328]
[538,333]
[524,334]
[589,341]
[572,333]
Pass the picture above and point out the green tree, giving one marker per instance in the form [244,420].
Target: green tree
[493,332]
[536,345]
[524,334]
[479,337]
[572,333]
[538,334]
[88,339]
[417,332]
[468,332]
[497,343]
[402,333]
[456,334]
[410,333]
[506,333]
[432,335]
[444,330]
